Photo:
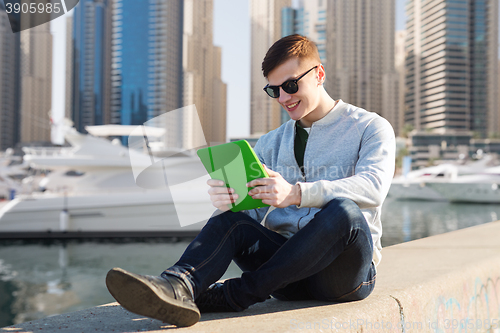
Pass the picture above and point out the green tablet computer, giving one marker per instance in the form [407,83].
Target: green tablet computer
[236,164]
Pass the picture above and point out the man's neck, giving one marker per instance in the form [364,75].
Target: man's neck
[322,110]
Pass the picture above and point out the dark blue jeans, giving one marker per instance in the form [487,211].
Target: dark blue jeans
[329,259]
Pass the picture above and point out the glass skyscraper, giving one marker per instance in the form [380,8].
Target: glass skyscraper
[130,61]
[92,61]
[9,82]
[292,21]
[451,66]
[146,59]
[479,65]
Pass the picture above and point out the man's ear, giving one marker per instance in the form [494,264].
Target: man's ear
[321,76]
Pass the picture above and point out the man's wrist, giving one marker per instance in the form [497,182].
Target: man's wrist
[298,194]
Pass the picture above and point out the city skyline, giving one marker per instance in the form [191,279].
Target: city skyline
[232,34]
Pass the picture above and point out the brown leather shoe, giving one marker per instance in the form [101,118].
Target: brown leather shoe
[164,298]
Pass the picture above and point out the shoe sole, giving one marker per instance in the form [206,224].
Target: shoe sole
[139,297]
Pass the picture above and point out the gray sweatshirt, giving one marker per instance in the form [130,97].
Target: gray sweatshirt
[350,153]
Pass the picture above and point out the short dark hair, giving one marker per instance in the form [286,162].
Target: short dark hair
[289,47]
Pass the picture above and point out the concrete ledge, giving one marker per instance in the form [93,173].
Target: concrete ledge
[444,283]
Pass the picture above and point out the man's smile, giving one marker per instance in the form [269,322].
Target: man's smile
[292,106]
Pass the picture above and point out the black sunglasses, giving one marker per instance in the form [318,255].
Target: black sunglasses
[289,86]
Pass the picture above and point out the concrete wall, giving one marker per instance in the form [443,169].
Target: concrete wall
[444,283]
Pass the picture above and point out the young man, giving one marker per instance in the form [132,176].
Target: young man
[330,169]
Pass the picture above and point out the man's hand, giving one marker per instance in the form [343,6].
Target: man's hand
[220,195]
[275,190]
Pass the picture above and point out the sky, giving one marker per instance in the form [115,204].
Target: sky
[231,31]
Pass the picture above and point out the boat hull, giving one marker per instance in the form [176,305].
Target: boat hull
[469,192]
[149,214]
[414,191]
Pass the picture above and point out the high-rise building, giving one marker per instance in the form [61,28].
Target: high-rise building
[36,83]
[146,59]
[9,83]
[292,21]
[360,54]
[68,106]
[203,85]
[91,61]
[399,58]
[451,66]
[313,15]
[266,28]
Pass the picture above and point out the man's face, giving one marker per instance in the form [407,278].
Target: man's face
[306,99]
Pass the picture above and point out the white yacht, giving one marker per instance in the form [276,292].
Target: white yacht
[415,185]
[92,191]
[478,188]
